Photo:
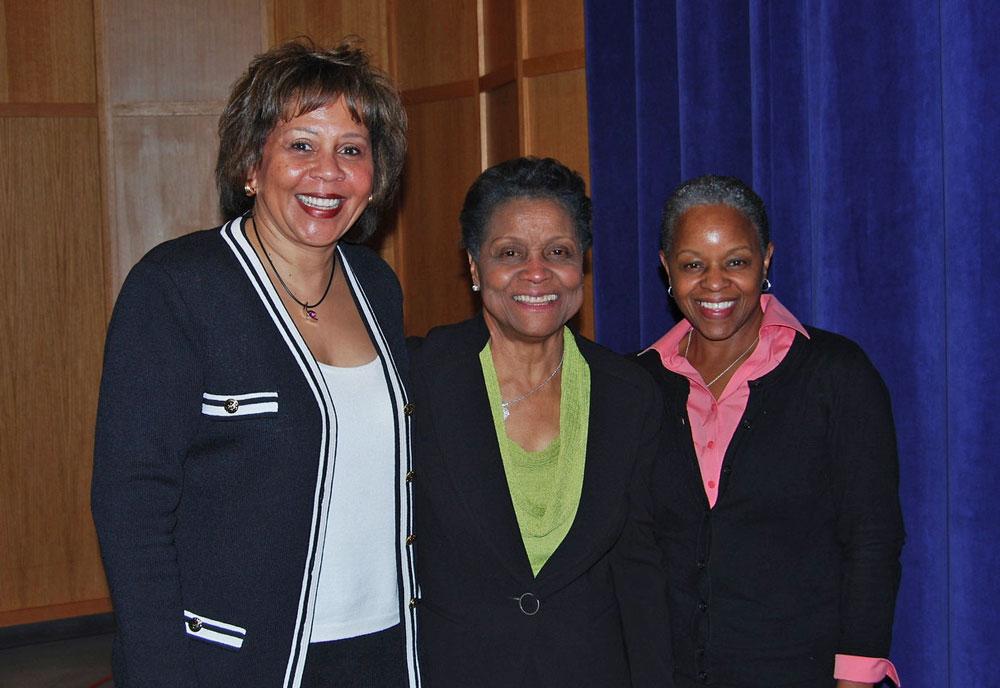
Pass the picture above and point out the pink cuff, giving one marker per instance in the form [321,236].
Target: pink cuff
[864,669]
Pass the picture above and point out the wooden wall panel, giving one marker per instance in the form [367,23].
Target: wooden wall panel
[500,124]
[552,26]
[435,42]
[169,69]
[162,52]
[48,51]
[530,99]
[4,62]
[51,334]
[557,118]
[163,71]
[164,184]
[498,42]
[328,22]
[443,163]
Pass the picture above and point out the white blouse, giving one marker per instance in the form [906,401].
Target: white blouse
[358,591]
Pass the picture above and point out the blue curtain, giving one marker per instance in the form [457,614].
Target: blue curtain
[872,132]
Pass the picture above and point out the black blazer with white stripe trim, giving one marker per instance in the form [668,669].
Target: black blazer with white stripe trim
[211,480]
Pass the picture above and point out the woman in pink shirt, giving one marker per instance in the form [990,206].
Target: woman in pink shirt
[777,501]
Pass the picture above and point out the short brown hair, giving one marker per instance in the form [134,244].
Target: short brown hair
[299,77]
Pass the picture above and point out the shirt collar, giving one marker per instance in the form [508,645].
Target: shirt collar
[775,315]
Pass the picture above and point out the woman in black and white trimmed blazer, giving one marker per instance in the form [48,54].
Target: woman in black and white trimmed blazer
[250,478]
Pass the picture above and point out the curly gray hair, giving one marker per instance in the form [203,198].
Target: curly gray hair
[713,189]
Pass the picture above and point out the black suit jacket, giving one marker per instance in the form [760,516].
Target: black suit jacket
[596,614]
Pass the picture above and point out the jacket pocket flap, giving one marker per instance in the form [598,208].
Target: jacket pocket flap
[212,631]
[239,405]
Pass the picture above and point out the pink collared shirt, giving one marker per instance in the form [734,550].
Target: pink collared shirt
[713,423]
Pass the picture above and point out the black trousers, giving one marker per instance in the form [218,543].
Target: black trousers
[681,681]
[376,660]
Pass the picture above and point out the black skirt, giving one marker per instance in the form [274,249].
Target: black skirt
[376,660]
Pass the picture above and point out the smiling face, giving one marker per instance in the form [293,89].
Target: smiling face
[530,268]
[314,177]
[715,267]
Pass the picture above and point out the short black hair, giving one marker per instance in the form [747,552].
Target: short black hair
[527,177]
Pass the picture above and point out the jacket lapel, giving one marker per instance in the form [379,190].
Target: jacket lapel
[603,501]
[457,391]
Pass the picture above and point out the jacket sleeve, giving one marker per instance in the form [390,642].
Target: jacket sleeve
[636,564]
[147,413]
[869,520]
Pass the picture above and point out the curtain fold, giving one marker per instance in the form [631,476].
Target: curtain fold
[871,132]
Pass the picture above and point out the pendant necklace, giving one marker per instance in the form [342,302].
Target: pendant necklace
[728,367]
[505,405]
[308,310]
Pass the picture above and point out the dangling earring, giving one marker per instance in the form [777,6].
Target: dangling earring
[475,287]
[371,197]
[765,286]
[248,190]
[670,290]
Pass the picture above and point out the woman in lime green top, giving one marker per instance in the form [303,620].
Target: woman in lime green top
[536,562]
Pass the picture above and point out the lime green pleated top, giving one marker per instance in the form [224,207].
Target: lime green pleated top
[545,486]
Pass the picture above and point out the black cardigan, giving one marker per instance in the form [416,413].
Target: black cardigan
[799,558]
[596,611]
[211,479]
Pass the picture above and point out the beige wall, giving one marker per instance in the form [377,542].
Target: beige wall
[107,143]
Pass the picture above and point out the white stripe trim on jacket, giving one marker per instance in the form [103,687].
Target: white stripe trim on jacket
[235,236]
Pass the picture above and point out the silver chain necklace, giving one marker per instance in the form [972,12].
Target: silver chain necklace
[728,367]
[505,405]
